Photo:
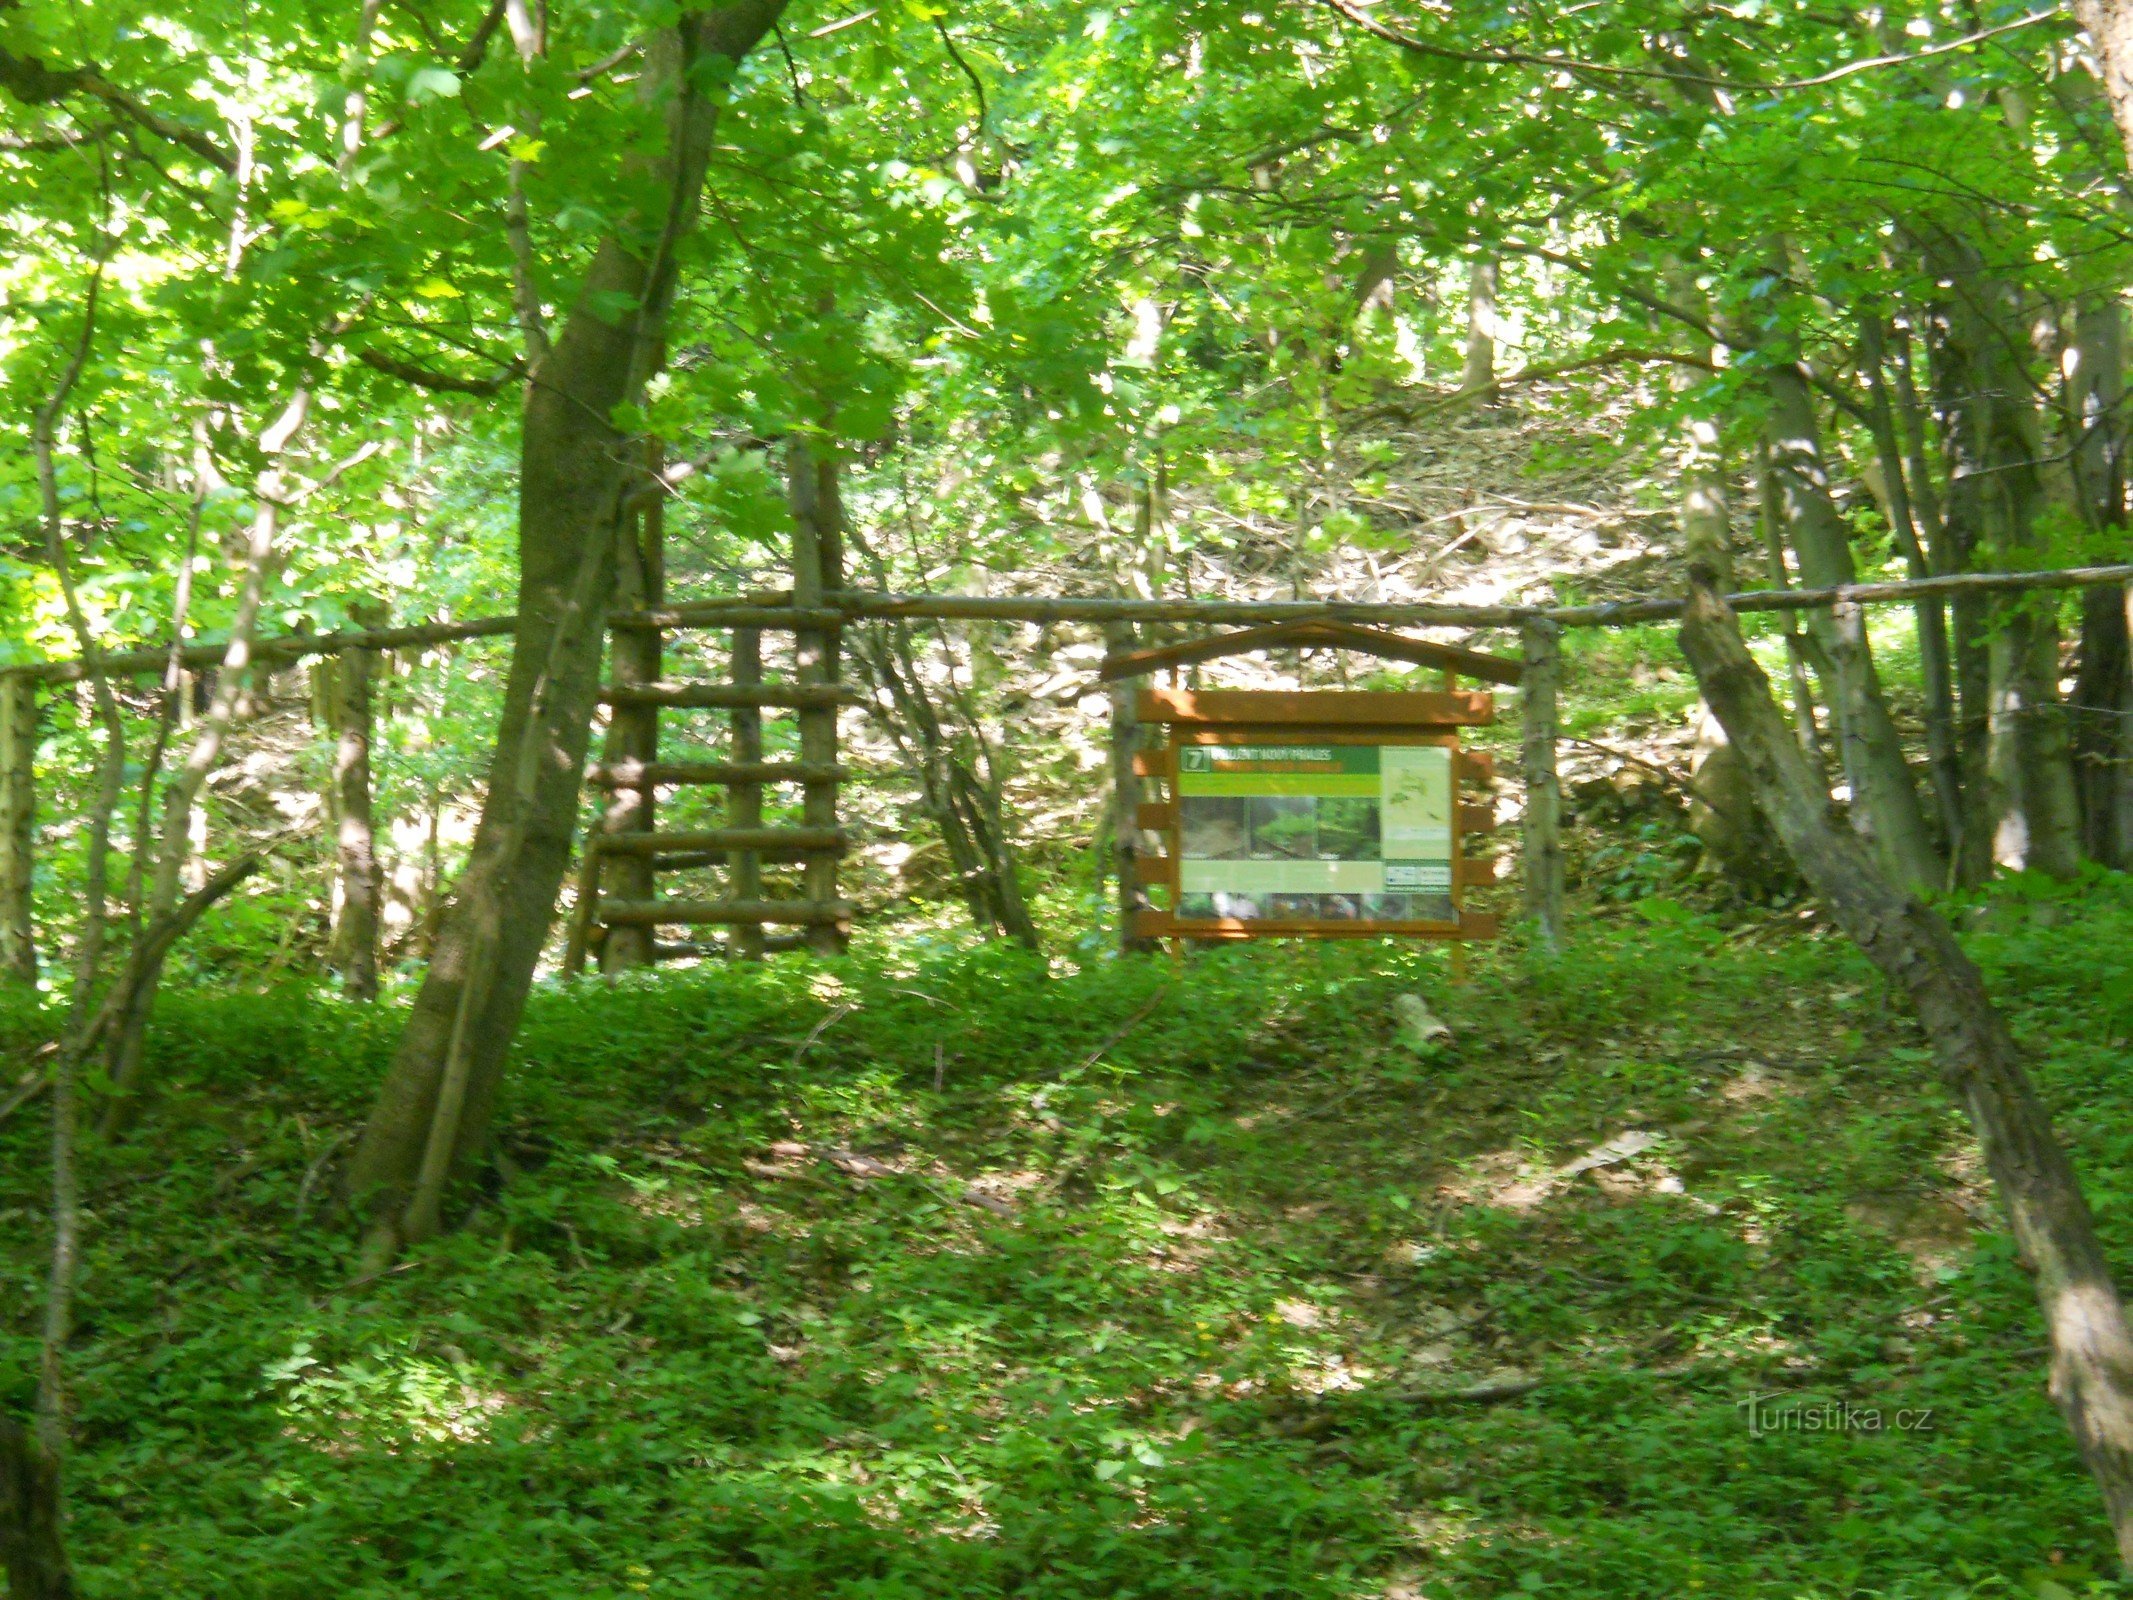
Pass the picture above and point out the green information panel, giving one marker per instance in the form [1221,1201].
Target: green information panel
[1298,832]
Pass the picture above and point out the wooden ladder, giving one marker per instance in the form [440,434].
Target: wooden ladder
[619,911]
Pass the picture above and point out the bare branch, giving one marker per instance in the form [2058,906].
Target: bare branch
[427,378]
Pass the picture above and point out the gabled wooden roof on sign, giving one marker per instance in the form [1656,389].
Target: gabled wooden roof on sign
[1312,635]
[1319,708]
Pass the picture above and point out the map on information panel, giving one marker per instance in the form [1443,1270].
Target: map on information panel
[1315,832]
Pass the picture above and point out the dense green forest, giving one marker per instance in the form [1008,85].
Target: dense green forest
[616,976]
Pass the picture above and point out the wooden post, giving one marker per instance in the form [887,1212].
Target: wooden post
[817,566]
[744,800]
[1126,791]
[18,821]
[633,730]
[355,935]
[1543,841]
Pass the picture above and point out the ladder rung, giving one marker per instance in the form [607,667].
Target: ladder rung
[678,913]
[652,844]
[719,948]
[636,775]
[800,696]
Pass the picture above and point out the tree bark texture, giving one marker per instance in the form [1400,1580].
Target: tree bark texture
[2091,1349]
[18,828]
[32,1549]
[744,800]
[1542,829]
[1995,444]
[1480,373]
[633,733]
[576,471]
[2109,25]
[817,568]
[355,933]
[1127,842]
[1885,804]
[2102,710]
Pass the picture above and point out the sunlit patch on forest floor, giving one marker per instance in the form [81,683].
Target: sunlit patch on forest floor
[950,1274]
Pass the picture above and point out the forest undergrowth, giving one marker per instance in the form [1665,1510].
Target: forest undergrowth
[946,1271]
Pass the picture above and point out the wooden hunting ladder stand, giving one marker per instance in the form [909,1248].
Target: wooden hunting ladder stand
[619,909]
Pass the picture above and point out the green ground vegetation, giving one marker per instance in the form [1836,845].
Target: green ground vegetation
[944,1271]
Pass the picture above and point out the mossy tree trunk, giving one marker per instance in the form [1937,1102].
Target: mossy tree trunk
[2091,1348]
[577,473]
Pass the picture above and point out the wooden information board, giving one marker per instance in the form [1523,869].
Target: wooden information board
[1320,814]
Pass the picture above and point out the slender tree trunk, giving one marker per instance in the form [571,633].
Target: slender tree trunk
[2109,25]
[1909,519]
[1127,842]
[1480,373]
[1885,806]
[18,828]
[577,471]
[1771,515]
[1541,829]
[2091,1348]
[143,974]
[633,734]
[33,1550]
[355,937]
[1995,442]
[2103,740]
[817,567]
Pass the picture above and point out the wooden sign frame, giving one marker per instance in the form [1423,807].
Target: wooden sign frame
[1329,718]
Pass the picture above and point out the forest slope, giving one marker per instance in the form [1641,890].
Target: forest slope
[945,1273]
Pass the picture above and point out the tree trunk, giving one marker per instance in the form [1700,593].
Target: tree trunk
[355,935]
[18,828]
[633,734]
[817,567]
[124,1058]
[1885,806]
[2103,739]
[576,471]
[1995,444]
[32,1550]
[1480,374]
[1126,791]
[1910,519]
[744,801]
[2037,818]
[2109,25]
[2091,1349]
[1542,826]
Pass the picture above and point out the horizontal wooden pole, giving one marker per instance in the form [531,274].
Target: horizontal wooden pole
[680,913]
[855,604]
[1310,634]
[1157,816]
[697,860]
[848,605]
[715,839]
[1477,766]
[729,614]
[128,663]
[636,775]
[720,949]
[805,696]
[1477,819]
[1304,709]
